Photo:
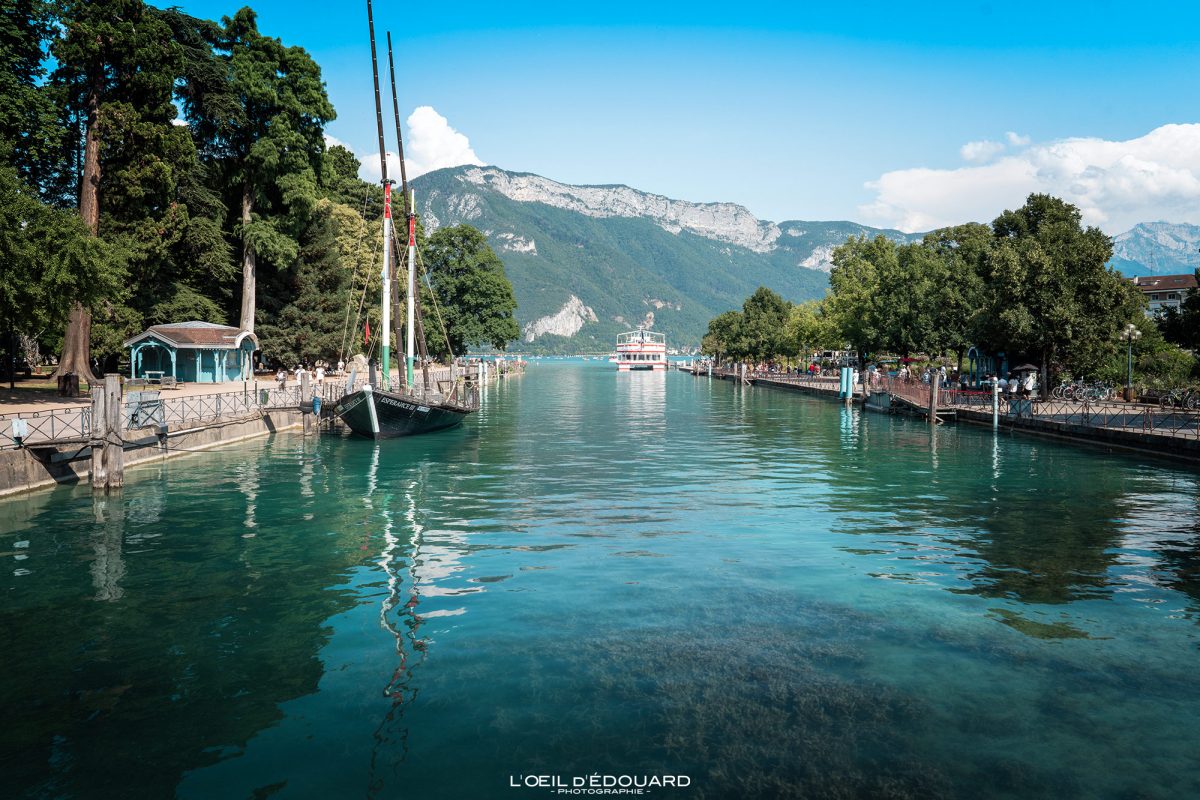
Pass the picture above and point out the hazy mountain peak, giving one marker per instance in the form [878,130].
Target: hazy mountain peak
[1157,248]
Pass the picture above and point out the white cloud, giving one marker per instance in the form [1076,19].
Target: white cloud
[980,152]
[433,144]
[333,141]
[430,144]
[1116,184]
[1016,139]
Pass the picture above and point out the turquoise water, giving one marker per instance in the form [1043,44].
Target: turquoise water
[606,574]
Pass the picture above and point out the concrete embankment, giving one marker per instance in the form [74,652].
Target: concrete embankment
[1136,431]
[1105,425]
[1177,447]
[36,467]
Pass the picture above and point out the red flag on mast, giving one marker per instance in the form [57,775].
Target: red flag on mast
[367,340]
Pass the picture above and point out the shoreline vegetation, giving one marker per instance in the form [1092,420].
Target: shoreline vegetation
[160,168]
[1031,287]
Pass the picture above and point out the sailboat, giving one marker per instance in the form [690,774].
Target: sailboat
[377,409]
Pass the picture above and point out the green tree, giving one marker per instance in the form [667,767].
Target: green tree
[1182,326]
[474,297]
[116,69]
[764,317]
[1048,292]
[266,145]
[1157,362]
[303,314]
[724,336]
[29,134]
[854,304]
[958,286]
[341,184]
[808,329]
[51,261]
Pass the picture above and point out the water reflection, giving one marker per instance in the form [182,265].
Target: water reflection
[108,567]
[424,617]
[848,424]
[247,480]
[1002,531]
[643,396]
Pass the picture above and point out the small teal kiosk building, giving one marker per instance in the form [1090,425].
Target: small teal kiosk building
[192,352]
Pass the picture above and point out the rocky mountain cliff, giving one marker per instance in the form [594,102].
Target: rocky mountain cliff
[1157,248]
[587,262]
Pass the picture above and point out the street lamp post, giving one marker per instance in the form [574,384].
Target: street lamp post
[1131,334]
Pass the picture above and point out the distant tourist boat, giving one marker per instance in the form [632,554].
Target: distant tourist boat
[641,349]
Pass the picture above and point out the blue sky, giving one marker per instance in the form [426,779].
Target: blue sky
[803,112]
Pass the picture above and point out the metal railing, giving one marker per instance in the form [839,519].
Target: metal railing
[43,427]
[204,407]
[1133,417]
[71,424]
[912,390]
[828,384]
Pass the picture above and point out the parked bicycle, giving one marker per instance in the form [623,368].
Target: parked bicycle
[1082,390]
[1181,397]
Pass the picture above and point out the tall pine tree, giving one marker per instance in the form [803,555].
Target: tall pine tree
[266,147]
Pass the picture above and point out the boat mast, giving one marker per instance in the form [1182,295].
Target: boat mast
[387,214]
[411,215]
[408,209]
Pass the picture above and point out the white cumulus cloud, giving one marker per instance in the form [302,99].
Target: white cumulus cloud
[1115,184]
[430,144]
[333,141]
[433,144]
[980,152]
[1016,139]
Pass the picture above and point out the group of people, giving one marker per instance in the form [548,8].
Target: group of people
[905,374]
[1013,385]
[317,374]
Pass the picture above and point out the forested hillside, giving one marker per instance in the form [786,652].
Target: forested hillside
[626,254]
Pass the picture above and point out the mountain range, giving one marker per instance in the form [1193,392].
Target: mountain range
[1157,248]
[588,262]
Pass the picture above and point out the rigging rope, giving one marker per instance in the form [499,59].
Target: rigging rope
[436,308]
[366,227]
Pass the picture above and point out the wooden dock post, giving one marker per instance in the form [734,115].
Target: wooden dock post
[306,403]
[934,381]
[108,453]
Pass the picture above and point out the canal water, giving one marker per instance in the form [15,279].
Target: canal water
[611,576]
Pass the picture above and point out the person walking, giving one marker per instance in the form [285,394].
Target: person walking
[281,378]
[320,375]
